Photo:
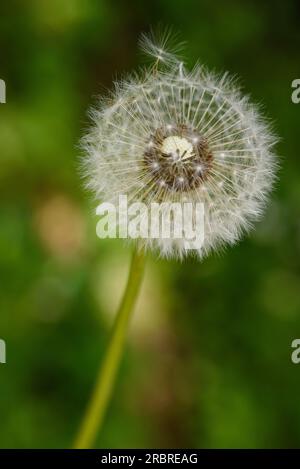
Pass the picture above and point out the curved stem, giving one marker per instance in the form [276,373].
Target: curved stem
[100,398]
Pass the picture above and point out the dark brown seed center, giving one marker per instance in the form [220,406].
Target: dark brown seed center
[177,158]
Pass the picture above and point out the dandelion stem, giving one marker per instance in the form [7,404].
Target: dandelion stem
[101,395]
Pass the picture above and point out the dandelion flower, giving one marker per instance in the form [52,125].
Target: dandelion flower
[172,136]
[169,134]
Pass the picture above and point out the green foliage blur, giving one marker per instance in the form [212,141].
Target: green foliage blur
[208,362]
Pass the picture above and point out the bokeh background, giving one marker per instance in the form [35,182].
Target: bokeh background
[208,359]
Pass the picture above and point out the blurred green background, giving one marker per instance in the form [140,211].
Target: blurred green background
[208,360]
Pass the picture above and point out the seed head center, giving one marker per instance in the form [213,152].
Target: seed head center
[177,158]
[179,148]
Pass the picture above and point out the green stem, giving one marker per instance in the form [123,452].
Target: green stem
[100,398]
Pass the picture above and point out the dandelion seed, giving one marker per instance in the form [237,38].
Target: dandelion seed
[192,137]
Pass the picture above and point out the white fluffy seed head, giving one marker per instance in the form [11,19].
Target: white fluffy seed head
[173,135]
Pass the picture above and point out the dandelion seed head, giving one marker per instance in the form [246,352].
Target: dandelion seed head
[173,135]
